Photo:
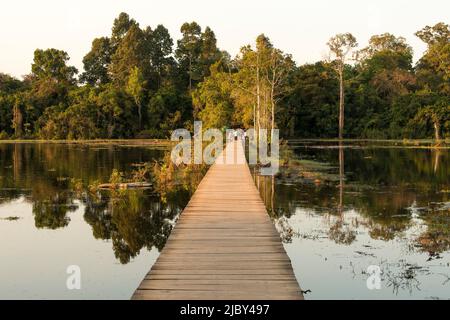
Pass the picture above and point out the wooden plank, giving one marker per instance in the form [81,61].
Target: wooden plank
[224,271]
[219,277]
[212,295]
[224,246]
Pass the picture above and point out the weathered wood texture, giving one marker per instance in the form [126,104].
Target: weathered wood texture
[224,246]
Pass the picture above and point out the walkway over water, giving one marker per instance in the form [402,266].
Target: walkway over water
[224,246]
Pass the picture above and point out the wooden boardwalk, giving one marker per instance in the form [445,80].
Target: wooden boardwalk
[224,246]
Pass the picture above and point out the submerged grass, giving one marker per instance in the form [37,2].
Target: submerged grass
[294,169]
[379,143]
[12,218]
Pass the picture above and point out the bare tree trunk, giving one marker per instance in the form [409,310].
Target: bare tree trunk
[273,83]
[255,125]
[272,196]
[258,98]
[139,112]
[341,102]
[266,109]
[341,180]
[263,110]
[437,129]
[273,108]
[254,116]
[17,121]
[16,160]
[437,156]
[190,73]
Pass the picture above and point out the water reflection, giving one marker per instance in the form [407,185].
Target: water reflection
[132,220]
[57,179]
[353,196]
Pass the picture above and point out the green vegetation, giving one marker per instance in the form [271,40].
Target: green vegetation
[137,84]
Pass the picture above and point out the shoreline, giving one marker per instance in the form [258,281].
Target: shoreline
[157,142]
[392,143]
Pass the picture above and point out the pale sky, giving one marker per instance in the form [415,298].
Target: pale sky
[300,28]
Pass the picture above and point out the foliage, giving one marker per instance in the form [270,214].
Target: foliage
[135,84]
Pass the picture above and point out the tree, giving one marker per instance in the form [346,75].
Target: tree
[385,42]
[135,88]
[96,62]
[188,50]
[167,109]
[50,83]
[340,46]
[380,81]
[121,25]
[433,69]
[130,53]
[246,88]
[51,64]
[438,34]
[210,54]
[17,121]
[160,52]
[196,52]
[10,108]
[438,114]
[277,72]
[212,99]
[116,117]
[260,83]
[9,84]
[314,95]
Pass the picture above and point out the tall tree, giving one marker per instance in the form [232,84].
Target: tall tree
[385,42]
[96,62]
[433,69]
[340,47]
[161,52]
[438,114]
[51,64]
[135,88]
[212,99]
[196,52]
[121,25]
[261,82]
[245,73]
[17,121]
[278,69]
[130,53]
[210,54]
[188,51]
[51,81]
[9,84]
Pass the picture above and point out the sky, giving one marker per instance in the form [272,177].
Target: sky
[301,28]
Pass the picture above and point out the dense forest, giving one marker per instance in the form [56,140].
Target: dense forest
[138,84]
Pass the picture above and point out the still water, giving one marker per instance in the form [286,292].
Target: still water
[342,209]
[338,211]
[49,220]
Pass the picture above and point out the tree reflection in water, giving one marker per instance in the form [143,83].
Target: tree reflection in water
[56,179]
[379,189]
[133,220]
[136,219]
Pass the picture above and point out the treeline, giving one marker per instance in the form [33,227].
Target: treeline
[138,84]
